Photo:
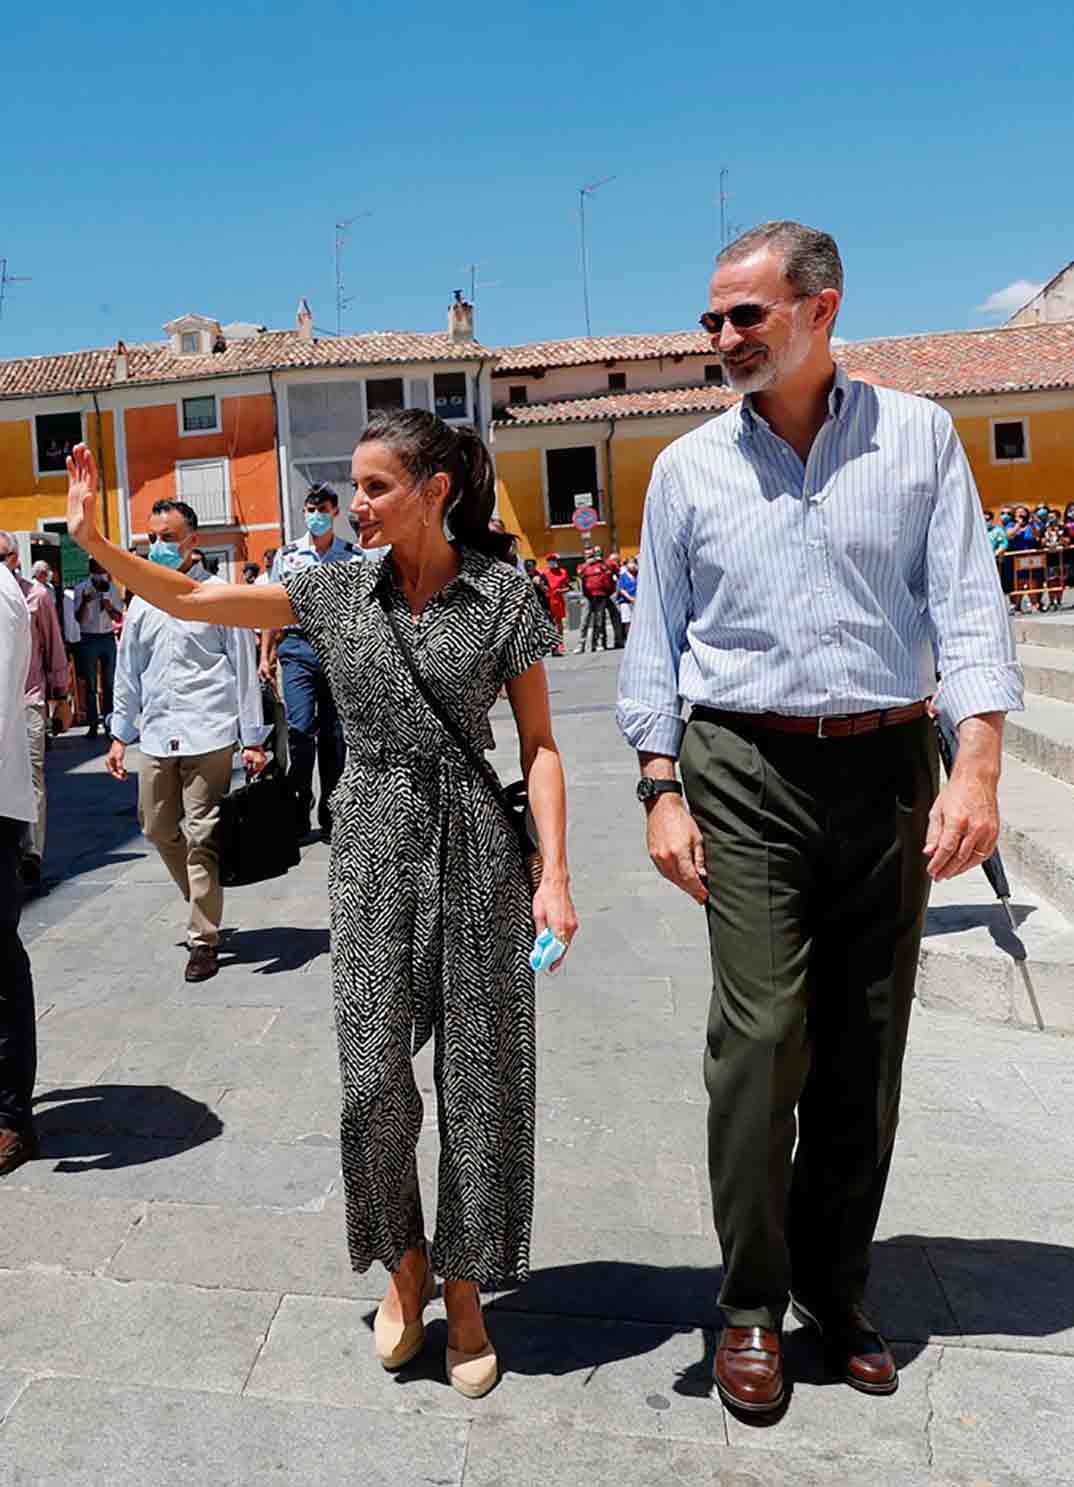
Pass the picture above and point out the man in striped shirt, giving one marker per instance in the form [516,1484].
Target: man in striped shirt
[809,560]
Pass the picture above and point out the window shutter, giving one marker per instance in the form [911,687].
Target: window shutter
[203,484]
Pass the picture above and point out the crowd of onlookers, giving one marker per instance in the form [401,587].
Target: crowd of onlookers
[1034,548]
[608,587]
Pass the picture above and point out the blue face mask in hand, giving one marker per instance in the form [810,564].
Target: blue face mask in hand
[167,554]
[318,523]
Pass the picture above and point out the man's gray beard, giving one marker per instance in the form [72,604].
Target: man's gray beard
[754,381]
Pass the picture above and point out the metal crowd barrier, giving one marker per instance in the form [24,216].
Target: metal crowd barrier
[1038,577]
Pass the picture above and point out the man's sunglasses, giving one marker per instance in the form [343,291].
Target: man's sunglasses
[742,317]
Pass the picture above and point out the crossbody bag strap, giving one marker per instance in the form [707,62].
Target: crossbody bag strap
[440,712]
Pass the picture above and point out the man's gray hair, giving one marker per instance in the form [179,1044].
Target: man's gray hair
[811,259]
[41,567]
[9,544]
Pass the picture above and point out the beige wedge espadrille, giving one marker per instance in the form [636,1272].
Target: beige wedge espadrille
[398,1342]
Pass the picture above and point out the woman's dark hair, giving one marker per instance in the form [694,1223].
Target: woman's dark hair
[426,446]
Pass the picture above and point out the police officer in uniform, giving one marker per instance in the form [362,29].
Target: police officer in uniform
[313,728]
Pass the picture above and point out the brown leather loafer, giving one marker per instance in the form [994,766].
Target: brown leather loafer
[749,1369]
[16,1147]
[853,1345]
[203,964]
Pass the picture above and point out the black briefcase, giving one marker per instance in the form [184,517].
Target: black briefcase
[258,831]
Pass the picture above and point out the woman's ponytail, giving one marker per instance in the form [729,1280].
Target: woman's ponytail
[427,446]
[470,513]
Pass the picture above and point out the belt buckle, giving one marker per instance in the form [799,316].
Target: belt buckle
[820,727]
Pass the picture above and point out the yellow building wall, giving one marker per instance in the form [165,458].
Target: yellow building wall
[27,499]
[632,468]
[521,496]
[1047,479]
[520,499]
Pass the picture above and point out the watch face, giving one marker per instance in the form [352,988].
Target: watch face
[646,790]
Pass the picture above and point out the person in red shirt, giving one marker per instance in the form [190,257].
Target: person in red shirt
[559,581]
[615,563]
[598,586]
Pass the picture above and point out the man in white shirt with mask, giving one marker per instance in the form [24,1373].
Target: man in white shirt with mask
[97,603]
[18,1040]
[196,688]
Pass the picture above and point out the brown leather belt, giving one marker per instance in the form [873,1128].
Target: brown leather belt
[849,725]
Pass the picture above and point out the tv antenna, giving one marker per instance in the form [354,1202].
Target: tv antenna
[724,198]
[6,279]
[476,283]
[583,192]
[343,299]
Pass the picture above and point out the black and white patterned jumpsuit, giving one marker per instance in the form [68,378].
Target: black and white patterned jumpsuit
[432,921]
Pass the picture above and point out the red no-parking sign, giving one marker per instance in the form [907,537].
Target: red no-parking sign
[586,518]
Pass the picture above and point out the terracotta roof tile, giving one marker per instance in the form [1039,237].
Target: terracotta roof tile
[1011,358]
[944,364]
[662,401]
[83,371]
[537,354]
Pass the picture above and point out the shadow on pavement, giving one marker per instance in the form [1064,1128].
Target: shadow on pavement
[282,947]
[105,1126]
[994,1288]
[92,821]
[951,919]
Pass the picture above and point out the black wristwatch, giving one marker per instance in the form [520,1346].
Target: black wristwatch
[650,789]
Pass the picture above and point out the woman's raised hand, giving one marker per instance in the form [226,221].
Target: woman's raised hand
[82,486]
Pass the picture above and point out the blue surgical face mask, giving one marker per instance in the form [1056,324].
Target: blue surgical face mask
[167,554]
[318,522]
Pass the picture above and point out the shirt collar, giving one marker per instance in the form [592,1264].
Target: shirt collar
[476,573]
[306,541]
[198,572]
[838,397]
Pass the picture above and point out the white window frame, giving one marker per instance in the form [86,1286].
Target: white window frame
[996,459]
[598,494]
[197,335]
[388,374]
[217,427]
[54,474]
[218,459]
[468,416]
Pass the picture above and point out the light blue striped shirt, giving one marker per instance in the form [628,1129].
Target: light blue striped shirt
[186,686]
[833,587]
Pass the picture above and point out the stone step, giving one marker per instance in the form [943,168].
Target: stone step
[1049,671]
[1043,736]
[970,956]
[1037,836]
[1054,629]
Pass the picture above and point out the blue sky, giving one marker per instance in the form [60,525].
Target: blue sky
[164,159]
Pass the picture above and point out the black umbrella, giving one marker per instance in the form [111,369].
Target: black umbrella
[992,867]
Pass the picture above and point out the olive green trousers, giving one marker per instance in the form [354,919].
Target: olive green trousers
[818,893]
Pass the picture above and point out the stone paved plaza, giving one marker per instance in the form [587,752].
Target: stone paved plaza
[177,1306]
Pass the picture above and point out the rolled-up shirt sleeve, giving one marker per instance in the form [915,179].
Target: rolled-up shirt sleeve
[242,652]
[649,711]
[127,688]
[972,632]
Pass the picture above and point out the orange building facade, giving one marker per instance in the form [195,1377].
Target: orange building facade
[213,446]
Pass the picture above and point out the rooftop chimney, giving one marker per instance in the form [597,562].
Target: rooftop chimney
[304,320]
[119,364]
[460,319]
